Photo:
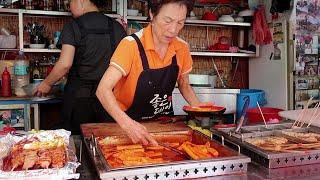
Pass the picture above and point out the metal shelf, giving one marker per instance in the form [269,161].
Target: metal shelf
[198,22]
[42,50]
[222,54]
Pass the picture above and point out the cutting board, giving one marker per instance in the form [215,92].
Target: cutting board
[307,115]
[111,129]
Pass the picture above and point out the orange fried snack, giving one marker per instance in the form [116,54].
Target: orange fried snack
[138,155]
[131,155]
[198,152]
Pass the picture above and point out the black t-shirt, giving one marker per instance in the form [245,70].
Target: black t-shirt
[92,51]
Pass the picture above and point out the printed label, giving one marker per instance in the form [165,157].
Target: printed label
[21,70]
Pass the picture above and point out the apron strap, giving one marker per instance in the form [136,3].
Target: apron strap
[142,53]
[174,60]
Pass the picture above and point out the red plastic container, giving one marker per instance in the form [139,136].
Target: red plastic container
[254,115]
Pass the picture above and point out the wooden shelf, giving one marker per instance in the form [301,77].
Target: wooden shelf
[9,49]
[198,22]
[44,13]
[222,54]
[6,10]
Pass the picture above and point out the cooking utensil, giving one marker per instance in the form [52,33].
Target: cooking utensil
[243,114]
[216,69]
[315,114]
[173,149]
[300,116]
[264,119]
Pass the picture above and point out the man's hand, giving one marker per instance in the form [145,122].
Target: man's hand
[138,133]
[42,90]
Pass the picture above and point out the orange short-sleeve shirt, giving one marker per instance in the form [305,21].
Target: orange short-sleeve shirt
[126,59]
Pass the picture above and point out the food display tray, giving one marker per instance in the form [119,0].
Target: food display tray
[268,159]
[228,162]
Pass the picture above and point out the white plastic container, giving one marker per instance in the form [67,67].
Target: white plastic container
[132,12]
[21,72]
[8,42]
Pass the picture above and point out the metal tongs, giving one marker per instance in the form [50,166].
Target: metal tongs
[173,149]
[243,114]
[93,144]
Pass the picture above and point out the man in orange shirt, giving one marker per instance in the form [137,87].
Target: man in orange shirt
[144,69]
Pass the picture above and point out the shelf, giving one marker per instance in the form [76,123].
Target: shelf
[6,10]
[307,76]
[198,22]
[305,101]
[219,23]
[42,50]
[223,54]
[9,49]
[137,18]
[307,89]
[45,13]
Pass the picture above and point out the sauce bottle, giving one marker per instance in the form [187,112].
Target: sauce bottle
[6,83]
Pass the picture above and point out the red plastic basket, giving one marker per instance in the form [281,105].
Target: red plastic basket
[254,115]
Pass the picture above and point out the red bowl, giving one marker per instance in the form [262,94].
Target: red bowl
[209,16]
[203,111]
[254,115]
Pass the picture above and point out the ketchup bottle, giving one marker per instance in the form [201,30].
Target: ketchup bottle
[6,83]
[49,69]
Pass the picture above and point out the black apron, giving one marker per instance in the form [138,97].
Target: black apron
[153,95]
[80,104]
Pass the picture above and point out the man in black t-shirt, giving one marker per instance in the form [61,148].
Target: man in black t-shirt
[88,42]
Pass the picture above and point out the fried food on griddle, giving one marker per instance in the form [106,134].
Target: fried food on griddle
[136,154]
[131,155]
[271,140]
[199,151]
[309,137]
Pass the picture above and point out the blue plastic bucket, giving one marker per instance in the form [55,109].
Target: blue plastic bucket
[255,96]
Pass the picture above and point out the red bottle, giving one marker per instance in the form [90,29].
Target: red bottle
[6,83]
[49,69]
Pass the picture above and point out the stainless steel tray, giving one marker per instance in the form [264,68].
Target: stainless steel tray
[269,159]
[232,163]
[255,130]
